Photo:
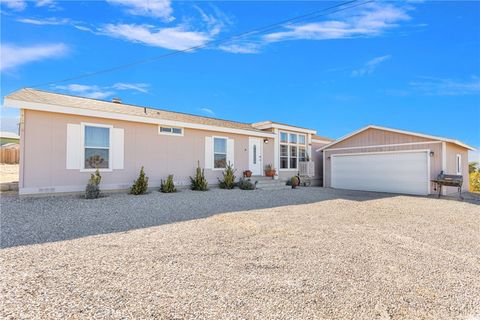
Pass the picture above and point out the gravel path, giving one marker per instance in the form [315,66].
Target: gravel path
[339,255]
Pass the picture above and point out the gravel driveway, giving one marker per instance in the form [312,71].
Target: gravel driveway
[316,254]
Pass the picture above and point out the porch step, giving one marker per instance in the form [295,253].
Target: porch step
[266,183]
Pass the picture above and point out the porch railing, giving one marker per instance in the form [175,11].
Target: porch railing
[306,168]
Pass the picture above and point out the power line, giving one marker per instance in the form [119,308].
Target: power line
[256,31]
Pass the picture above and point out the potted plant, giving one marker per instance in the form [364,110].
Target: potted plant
[247,174]
[294,181]
[270,171]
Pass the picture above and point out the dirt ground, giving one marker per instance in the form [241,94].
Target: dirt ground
[391,257]
[8,172]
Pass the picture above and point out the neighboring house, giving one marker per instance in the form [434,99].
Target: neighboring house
[64,138]
[389,160]
[8,137]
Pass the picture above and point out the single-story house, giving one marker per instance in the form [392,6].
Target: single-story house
[63,138]
[388,160]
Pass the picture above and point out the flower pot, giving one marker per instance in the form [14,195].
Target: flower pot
[270,173]
[247,173]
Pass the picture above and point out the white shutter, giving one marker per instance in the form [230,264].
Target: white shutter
[208,153]
[231,152]
[74,146]
[117,148]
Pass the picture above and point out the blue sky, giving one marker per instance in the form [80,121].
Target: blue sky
[407,65]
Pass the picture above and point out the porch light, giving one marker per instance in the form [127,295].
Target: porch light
[432,153]
[265,140]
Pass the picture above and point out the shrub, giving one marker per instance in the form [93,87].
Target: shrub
[294,181]
[475,181]
[140,186]
[228,181]
[93,190]
[199,183]
[168,186]
[246,184]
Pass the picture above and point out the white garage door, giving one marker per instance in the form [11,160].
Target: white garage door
[399,172]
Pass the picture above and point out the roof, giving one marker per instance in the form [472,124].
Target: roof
[278,123]
[9,135]
[45,97]
[459,143]
[315,137]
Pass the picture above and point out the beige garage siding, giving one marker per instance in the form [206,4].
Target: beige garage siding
[372,137]
[452,151]
[435,161]
[44,160]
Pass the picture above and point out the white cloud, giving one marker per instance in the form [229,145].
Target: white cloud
[45,3]
[370,66]
[13,56]
[16,5]
[246,47]
[150,8]
[371,20]
[447,87]
[140,87]
[102,92]
[47,21]
[170,38]
[89,91]
[208,111]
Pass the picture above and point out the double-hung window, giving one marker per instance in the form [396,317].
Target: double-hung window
[292,150]
[219,153]
[96,147]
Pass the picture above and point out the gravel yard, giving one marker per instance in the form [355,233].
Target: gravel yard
[311,253]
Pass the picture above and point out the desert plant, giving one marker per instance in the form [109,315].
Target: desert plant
[246,184]
[140,186]
[228,181]
[294,182]
[474,178]
[93,190]
[473,167]
[199,183]
[168,186]
[270,170]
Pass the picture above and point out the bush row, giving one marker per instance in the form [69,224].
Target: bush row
[198,182]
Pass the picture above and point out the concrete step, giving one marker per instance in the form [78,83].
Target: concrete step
[278,187]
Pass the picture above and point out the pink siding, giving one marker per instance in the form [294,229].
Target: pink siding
[373,137]
[44,157]
[452,151]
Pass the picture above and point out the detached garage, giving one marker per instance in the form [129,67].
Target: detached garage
[395,161]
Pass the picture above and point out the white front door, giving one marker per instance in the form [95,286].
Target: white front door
[255,156]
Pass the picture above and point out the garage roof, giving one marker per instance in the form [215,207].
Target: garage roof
[459,143]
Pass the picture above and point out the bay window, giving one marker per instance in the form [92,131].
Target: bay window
[292,150]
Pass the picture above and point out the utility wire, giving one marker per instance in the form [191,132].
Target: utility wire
[256,31]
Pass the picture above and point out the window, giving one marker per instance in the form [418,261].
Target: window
[301,139]
[302,154]
[170,131]
[293,157]
[283,156]
[219,153]
[293,138]
[458,164]
[96,147]
[254,154]
[292,150]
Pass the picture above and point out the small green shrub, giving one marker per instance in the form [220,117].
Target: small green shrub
[93,190]
[228,181]
[199,183]
[168,186]
[246,184]
[140,186]
[294,182]
[475,181]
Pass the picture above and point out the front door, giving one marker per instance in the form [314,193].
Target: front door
[255,156]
